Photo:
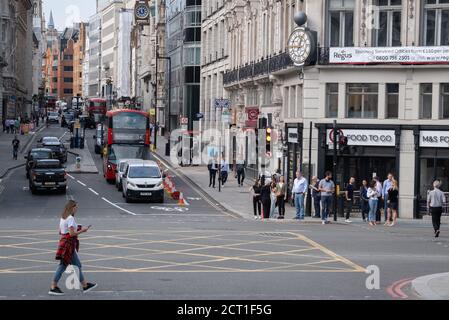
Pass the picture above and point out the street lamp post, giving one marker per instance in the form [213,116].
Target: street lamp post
[335,159]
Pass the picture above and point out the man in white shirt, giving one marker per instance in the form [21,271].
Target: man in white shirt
[299,190]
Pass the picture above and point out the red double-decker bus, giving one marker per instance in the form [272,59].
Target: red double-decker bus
[127,137]
[96,109]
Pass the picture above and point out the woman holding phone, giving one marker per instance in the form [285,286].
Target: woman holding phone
[68,248]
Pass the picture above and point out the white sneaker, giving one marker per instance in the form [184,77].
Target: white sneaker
[323,222]
[256,217]
[348,221]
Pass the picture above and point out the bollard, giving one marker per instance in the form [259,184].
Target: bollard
[78,162]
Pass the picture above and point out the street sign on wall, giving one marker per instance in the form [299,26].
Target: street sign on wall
[222,103]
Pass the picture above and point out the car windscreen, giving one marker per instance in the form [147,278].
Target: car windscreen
[48,165]
[144,172]
[40,155]
[54,148]
[53,114]
[50,139]
[118,152]
[129,120]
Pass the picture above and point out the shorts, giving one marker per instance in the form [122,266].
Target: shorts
[393,206]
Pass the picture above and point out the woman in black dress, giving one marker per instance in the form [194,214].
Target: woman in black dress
[255,190]
[393,201]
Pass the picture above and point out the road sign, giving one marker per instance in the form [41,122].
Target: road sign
[199,116]
[184,120]
[152,112]
[222,103]
[331,134]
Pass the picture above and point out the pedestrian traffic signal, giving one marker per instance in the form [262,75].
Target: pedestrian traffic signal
[268,139]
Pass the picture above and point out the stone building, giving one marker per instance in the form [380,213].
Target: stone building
[381,71]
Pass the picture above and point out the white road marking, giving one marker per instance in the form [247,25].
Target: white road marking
[83,184]
[168,209]
[93,191]
[194,199]
[71,177]
[26,188]
[118,207]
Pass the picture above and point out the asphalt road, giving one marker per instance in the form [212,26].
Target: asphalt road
[199,251]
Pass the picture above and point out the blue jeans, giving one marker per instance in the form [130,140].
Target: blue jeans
[372,209]
[299,205]
[326,203]
[61,268]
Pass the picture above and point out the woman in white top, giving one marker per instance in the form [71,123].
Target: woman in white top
[373,197]
[68,247]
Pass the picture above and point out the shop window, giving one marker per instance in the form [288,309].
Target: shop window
[387,19]
[431,169]
[267,93]
[436,23]
[362,100]
[425,106]
[444,92]
[332,100]
[392,100]
[340,21]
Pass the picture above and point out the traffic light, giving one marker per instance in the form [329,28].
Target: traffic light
[268,140]
[343,144]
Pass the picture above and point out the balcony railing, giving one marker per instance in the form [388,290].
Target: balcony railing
[261,68]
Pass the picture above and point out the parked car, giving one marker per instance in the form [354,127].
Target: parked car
[53,117]
[143,180]
[48,174]
[58,149]
[121,165]
[36,154]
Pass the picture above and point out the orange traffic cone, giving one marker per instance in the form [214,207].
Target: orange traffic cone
[181,201]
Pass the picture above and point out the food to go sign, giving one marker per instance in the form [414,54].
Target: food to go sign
[379,138]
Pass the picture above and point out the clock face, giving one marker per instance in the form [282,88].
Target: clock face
[299,46]
[142,11]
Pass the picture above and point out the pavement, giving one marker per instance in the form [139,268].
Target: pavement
[86,165]
[6,160]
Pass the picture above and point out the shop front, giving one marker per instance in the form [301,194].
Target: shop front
[432,164]
[369,153]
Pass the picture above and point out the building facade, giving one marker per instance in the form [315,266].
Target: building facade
[381,72]
[16,20]
[94,57]
[183,46]
[79,49]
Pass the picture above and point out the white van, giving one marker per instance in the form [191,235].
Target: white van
[143,180]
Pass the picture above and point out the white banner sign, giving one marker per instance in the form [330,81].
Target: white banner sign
[377,138]
[405,55]
[292,135]
[435,139]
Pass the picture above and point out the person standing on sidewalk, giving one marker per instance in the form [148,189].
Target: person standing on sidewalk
[240,171]
[257,206]
[435,201]
[316,196]
[373,196]
[281,197]
[393,201]
[213,168]
[386,186]
[327,189]
[298,191]
[68,249]
[15,147]
[349,197]
[379,203]
[364,205]
[265,198]
[273,197]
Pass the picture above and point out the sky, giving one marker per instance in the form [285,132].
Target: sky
[65,12]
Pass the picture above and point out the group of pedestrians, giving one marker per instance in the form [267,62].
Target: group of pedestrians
[269,194]
[11,126]
[214,167]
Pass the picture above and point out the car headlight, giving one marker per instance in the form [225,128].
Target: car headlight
[132,185]
[160,185]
